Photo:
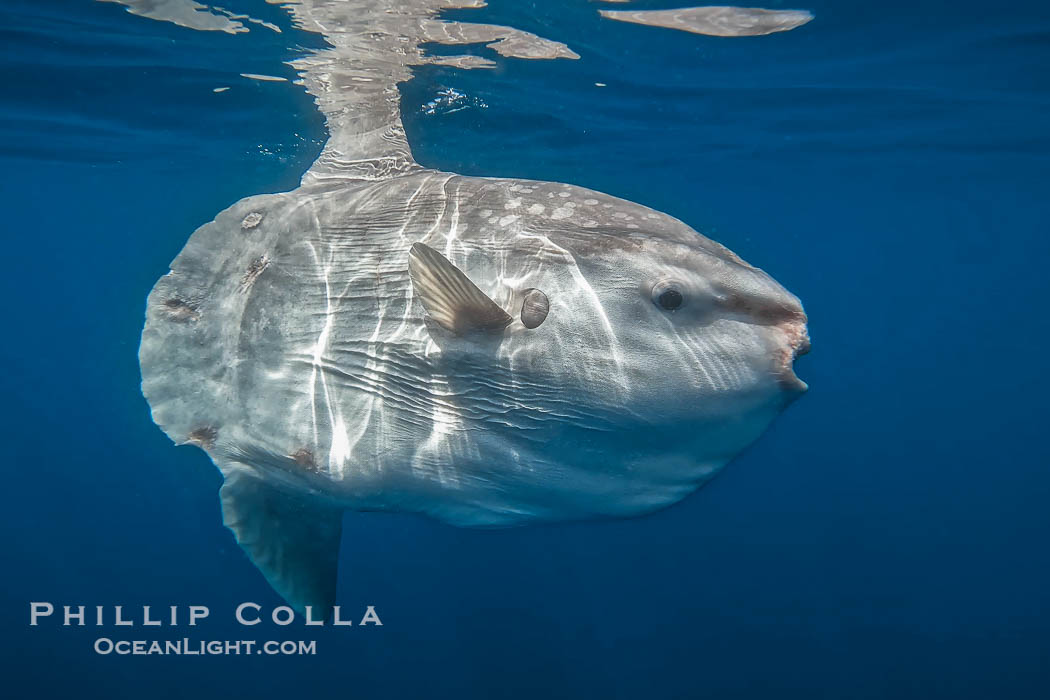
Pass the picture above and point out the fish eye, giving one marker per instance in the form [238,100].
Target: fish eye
[668,296]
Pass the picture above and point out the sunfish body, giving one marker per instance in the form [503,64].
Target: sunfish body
[488,352]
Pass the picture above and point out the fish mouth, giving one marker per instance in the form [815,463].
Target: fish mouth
[797,344]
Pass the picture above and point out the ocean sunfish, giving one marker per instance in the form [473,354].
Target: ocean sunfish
[488,352]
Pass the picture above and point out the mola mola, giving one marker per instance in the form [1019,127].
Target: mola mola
[488,352]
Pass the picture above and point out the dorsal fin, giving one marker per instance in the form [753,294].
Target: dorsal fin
[372,46]
[451,299]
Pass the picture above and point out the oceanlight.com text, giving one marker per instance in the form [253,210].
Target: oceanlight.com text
[191,647]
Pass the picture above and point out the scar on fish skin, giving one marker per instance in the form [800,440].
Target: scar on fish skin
[760,311]
[203,437]
[254,270]
[180,310]
[304,458]
[251,221]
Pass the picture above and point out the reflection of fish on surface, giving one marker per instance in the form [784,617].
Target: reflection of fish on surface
[193,15]
[485,351]
[716,21]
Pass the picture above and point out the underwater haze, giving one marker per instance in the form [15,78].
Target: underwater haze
[889,163]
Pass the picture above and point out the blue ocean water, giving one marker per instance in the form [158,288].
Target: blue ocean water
[889,163]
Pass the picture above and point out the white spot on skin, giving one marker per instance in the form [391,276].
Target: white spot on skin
[493,220]
[590,202]
[619,215]
[632,225]
[561,213]
[563,194]
[590,224]
[485,213]
[537,209]
[651,216]
[512,204]
[508,220]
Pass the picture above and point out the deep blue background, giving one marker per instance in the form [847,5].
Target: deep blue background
[888,162]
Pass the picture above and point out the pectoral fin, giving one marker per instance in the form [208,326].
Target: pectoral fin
[292,539]
[451,299]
